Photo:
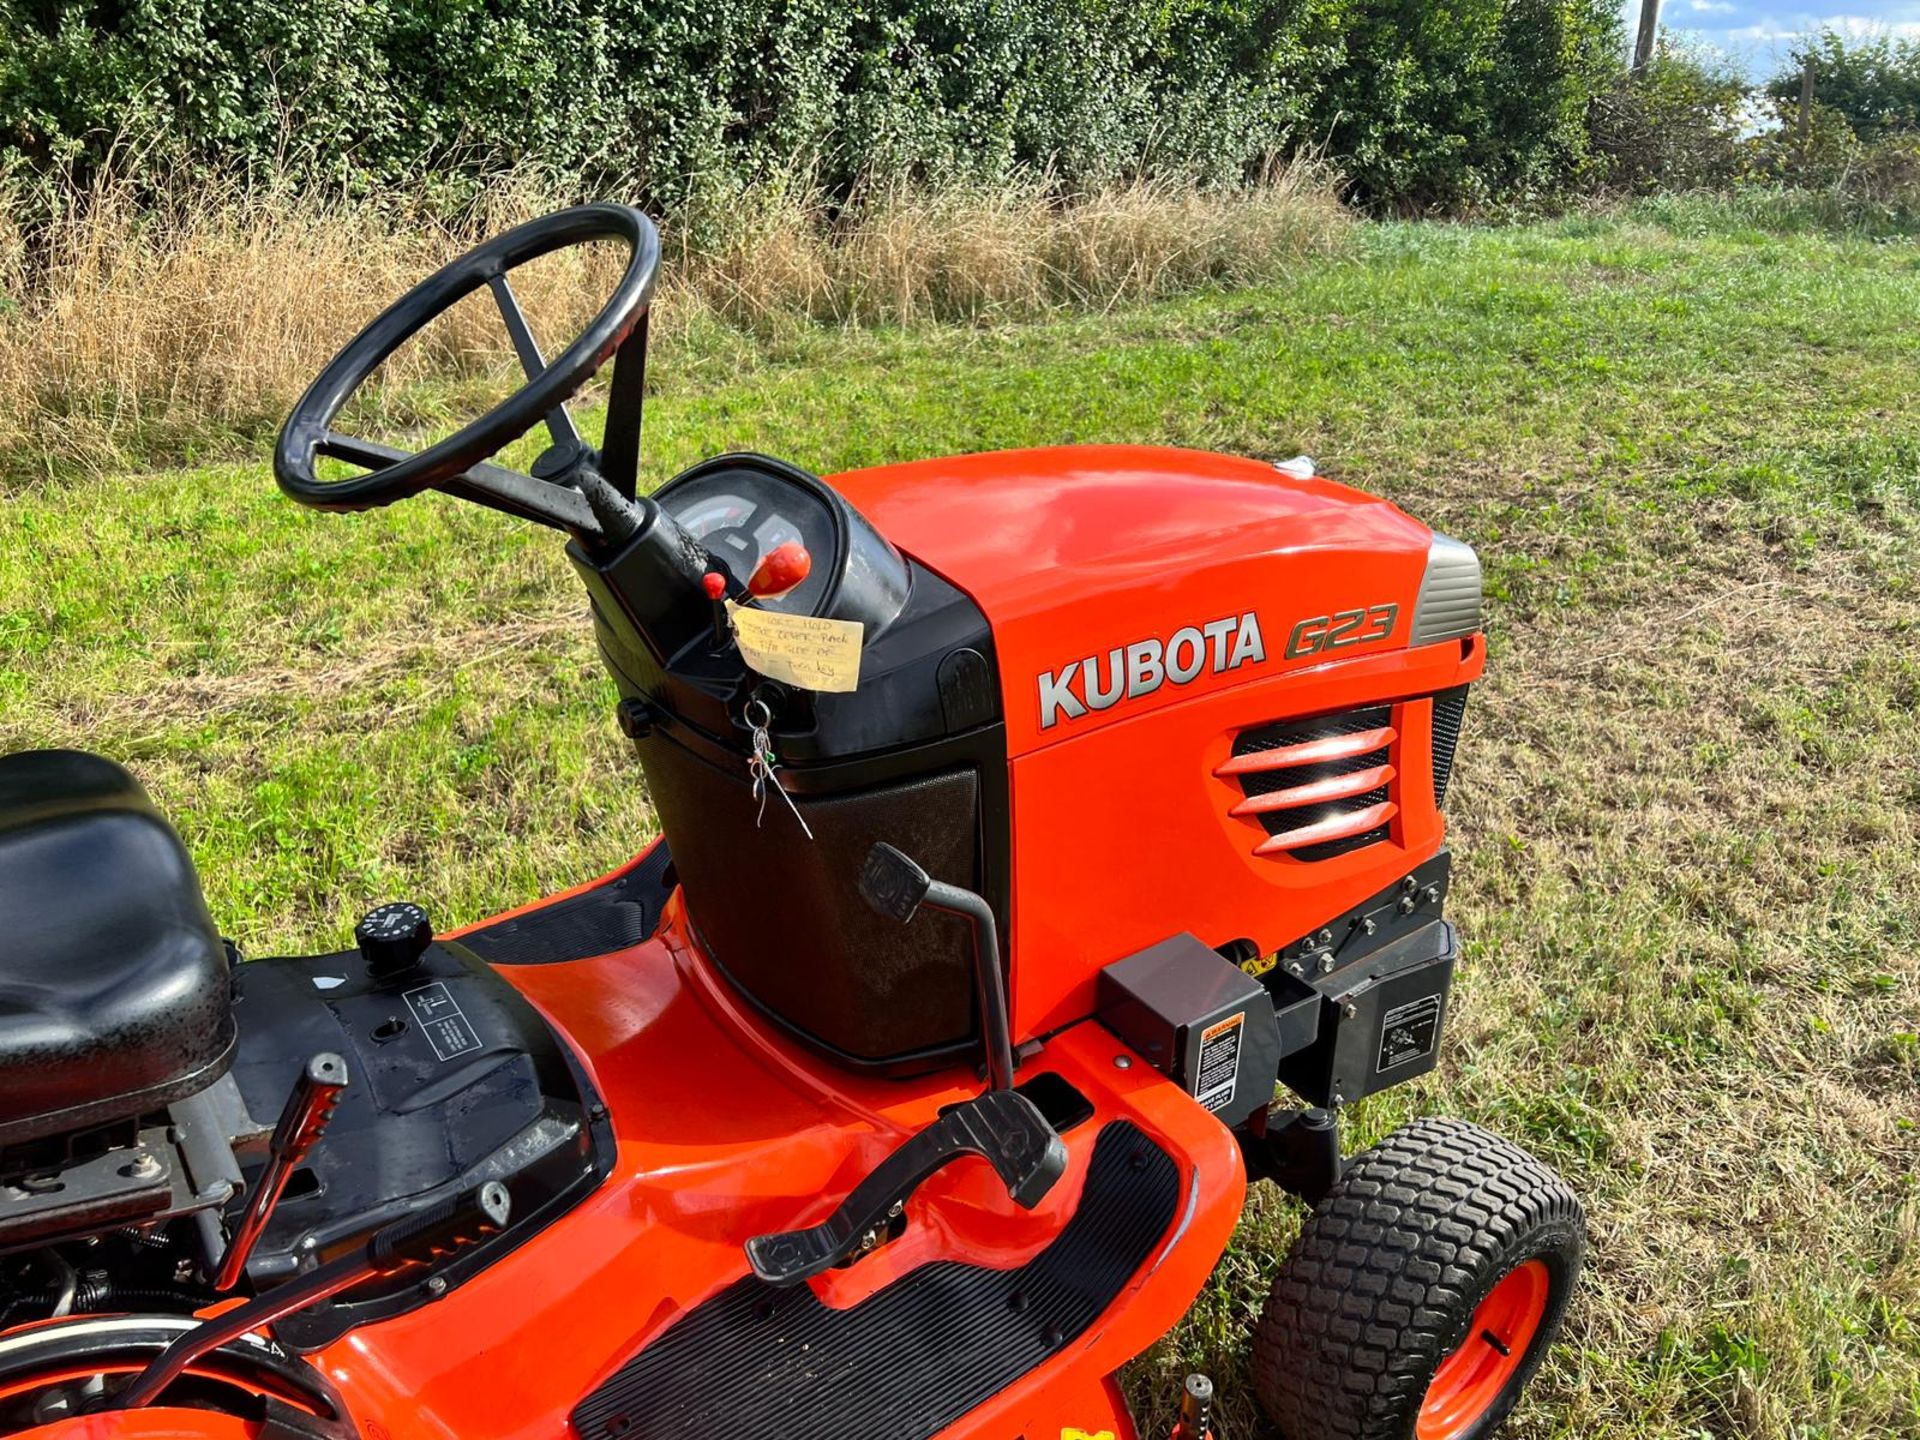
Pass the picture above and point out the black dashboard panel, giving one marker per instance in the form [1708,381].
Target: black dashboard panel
[740,514]
[741,506]
[915,755]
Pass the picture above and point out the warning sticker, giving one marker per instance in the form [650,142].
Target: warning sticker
[1409,1032]
[801,650]
[1219,1061]
[447,1029]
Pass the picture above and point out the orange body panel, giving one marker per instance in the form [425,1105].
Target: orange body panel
[1121,828]
[157,1422]
[695,1179]
[1074,551]
[1161,825]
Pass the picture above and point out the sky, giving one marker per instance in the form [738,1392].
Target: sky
[1760,33]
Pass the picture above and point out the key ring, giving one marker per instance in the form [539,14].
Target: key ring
[761,762]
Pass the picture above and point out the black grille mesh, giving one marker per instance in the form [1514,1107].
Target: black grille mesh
[1295,732]
[1449,707]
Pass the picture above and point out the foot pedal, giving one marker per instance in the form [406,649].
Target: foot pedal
[1002,1127]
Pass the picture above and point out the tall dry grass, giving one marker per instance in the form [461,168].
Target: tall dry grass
[139,329]
[907,255]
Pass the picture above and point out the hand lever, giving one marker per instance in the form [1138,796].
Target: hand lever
[896,888]
[419,1239]
[781,569]
[303,1119]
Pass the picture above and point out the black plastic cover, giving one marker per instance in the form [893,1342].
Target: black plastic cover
[114,992]
[783,917]
[914,756]
[1381,1020]
[1199,1020]
[457,1081]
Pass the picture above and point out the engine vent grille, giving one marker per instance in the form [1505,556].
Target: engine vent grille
[1319,787]
[1449,707]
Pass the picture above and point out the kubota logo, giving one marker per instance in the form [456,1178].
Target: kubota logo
[1127,671]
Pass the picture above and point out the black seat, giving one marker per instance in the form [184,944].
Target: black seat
[114,990]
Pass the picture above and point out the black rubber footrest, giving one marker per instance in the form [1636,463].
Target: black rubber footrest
[622,912]
[908,1362]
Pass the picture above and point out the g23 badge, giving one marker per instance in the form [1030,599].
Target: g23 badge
[1319,633]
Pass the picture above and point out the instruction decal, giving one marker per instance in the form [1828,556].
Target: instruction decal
[799,650]
[447,1028]
[1219,1061]
[1408,1032]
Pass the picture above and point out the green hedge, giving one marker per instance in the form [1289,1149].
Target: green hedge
[1427,102]
[1872,81]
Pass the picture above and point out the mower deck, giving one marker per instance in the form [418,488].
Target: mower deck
[725,1129]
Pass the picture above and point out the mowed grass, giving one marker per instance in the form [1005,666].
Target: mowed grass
[1684,813]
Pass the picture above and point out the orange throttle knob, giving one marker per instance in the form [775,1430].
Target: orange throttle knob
[780,570]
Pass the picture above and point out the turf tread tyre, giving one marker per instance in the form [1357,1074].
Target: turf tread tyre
[1387,1272]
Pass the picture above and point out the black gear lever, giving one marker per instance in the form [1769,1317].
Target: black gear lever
[896,887]
[1001,1126]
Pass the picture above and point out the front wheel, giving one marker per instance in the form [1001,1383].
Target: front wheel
[1423,1292]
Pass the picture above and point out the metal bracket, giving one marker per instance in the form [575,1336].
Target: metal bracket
[1299,1151]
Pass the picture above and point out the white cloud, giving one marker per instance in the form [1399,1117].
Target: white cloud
[1712,7]
[1854,27]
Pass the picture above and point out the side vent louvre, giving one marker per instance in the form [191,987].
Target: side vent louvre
[1449,707]
[1319,787]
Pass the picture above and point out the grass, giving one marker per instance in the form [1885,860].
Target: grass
[1685,808]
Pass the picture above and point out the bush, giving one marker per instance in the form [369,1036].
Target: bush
[1874,84]
[674,92]
[1452,104]
[1677,125]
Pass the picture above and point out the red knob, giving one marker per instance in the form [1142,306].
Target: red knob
[780,569]
[715,584]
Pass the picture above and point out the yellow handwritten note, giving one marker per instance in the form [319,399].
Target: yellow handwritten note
[799,650]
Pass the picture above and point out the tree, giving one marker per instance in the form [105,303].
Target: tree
[1874,83]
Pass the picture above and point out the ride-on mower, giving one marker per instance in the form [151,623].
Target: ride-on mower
[1028,820]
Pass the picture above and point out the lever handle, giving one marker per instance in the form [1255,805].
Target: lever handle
[303,1120]
[893,884]
[781,569]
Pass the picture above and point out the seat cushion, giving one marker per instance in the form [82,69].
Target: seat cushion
[115,997]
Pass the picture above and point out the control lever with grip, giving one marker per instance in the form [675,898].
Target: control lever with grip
[303,1120]
[421,1239]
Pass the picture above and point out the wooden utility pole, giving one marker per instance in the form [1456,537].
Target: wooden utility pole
[1806,105]
[1649,32]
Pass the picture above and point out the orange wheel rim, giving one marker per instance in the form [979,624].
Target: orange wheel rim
[1481,1367]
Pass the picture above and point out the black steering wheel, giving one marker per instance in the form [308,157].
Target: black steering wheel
[458,465]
